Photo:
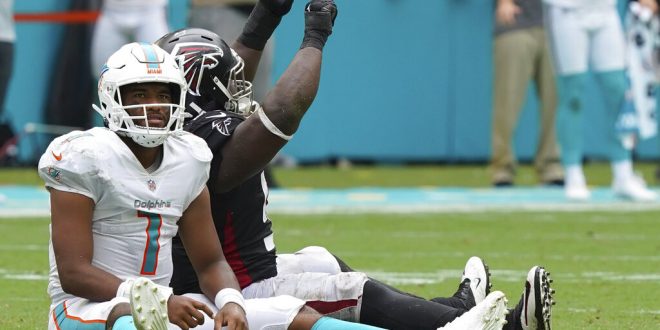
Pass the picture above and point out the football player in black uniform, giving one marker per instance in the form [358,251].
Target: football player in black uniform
[244,136]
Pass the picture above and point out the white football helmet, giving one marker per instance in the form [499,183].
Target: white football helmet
[141,63]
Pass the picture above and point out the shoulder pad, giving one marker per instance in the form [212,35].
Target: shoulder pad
[196,146]
[74,149]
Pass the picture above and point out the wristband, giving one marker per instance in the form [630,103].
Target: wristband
[228,295]
[315,39]
[270,126]
[259,27]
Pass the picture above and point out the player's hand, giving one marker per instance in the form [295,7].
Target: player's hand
[320,15]
[185,312]
[278,7]
[231,316]
[506,12]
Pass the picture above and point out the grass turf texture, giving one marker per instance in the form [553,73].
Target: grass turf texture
[597,173]
[605,264]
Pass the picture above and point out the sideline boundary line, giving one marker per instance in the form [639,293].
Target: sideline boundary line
[31,201]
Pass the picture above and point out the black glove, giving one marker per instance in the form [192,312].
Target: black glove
[264,18]
[320,17]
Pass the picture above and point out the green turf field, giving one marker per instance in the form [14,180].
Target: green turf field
[606,265]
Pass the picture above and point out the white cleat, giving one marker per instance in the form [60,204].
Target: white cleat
[576,191]
[477,272]
[537,300]
[148,306]
[634,188]
[490,314]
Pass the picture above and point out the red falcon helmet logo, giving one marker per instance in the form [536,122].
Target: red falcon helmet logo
[197,58]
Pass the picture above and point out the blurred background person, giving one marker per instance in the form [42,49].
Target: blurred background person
[582,34]
[125,21]
[7,39]
[643,37]
[520,54]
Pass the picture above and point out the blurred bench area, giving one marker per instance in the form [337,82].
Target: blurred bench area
[402,81]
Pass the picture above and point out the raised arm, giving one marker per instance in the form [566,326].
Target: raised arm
[264,18]
[256,141]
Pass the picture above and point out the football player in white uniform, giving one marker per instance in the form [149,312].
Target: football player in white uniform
[116,203]
[118,196]
[586,33]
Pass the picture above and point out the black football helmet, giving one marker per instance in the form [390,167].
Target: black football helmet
[213,71]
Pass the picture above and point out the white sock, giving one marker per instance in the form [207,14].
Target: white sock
[574,175]
[623,170]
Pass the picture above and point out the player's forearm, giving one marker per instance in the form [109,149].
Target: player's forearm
[295,91]
[202,244]
[259,27]
[216,277]
[89,282]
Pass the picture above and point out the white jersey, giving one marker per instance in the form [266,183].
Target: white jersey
[124,4]
[136,212]
[580,3]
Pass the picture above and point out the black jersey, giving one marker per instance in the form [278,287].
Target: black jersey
[239,217]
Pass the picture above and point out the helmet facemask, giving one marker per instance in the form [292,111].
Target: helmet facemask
[124,119]
[236,90]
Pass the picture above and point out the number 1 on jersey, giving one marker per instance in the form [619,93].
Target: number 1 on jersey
[150,258]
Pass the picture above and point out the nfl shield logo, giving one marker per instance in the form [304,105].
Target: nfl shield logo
[152,185]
